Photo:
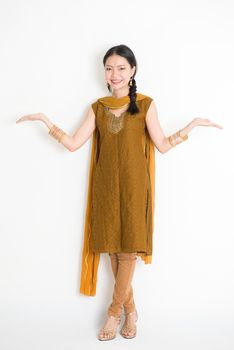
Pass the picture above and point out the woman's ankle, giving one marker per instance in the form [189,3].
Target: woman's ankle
[117,316]
[129,310]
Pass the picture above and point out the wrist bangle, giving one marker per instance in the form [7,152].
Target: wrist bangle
[184,137]
[56,132]
[176,138]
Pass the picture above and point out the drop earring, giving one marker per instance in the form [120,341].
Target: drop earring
[130,82]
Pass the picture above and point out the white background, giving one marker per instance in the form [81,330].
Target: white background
[51,62]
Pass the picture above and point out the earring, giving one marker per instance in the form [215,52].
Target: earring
[130,82]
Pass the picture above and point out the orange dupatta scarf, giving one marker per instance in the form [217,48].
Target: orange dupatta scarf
[90,259]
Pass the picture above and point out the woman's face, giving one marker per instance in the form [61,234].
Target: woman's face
[118,72]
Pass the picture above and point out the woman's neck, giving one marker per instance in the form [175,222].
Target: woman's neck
[120,93]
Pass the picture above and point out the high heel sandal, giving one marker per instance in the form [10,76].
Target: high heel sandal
[108,332]
[129,328]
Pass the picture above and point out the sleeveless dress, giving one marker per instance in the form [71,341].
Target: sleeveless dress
[121,216]
[120,206]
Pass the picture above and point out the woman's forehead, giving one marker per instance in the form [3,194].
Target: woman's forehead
[116,60]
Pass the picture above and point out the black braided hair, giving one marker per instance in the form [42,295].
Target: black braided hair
[126,52]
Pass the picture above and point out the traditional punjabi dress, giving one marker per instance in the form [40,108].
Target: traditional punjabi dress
[121,188]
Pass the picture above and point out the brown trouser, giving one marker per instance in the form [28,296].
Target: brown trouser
[123,266]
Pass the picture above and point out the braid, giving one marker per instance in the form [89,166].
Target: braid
[132,108]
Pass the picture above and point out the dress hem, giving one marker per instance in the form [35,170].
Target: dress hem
[121,251]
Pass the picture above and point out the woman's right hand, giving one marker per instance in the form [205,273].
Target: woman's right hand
[35,116]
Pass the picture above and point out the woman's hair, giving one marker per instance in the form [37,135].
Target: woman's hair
[126,52]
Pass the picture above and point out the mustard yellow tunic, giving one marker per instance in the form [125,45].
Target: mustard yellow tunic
[120,200]
[121,214]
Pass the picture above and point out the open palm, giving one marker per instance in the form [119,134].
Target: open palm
[35,116]
[205,122]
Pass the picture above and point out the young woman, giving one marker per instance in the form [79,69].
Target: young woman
[120,206]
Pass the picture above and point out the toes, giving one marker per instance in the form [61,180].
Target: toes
[129,334]
[104,335]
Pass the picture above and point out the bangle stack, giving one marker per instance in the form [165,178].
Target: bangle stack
[56,132]
[176,138]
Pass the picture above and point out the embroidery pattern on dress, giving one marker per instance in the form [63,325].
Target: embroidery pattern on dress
[114,123]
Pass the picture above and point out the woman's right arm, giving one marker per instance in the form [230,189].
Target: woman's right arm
[74,142]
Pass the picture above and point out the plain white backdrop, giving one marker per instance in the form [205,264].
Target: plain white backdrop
[51,62]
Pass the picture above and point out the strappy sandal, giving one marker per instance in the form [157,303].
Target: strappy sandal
[108,332]
[129,328]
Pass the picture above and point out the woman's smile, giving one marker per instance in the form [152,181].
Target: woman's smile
[116,81]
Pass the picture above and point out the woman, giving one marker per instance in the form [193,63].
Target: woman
[120,206]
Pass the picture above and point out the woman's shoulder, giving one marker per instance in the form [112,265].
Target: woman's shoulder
[144,102]
[94,105]
[142,96]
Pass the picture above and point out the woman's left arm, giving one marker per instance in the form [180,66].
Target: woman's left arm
[163,143]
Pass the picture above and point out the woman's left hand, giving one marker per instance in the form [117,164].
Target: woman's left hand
[204,122]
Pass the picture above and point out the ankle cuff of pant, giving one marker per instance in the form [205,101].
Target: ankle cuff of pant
[128,310]
[113,314]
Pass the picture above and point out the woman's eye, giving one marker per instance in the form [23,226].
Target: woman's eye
[122,68]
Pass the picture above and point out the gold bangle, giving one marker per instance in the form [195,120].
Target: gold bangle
[56,132]
[176,138]
[184,137]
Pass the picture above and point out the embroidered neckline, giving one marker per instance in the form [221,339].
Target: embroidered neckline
[107,110]
[114,123]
